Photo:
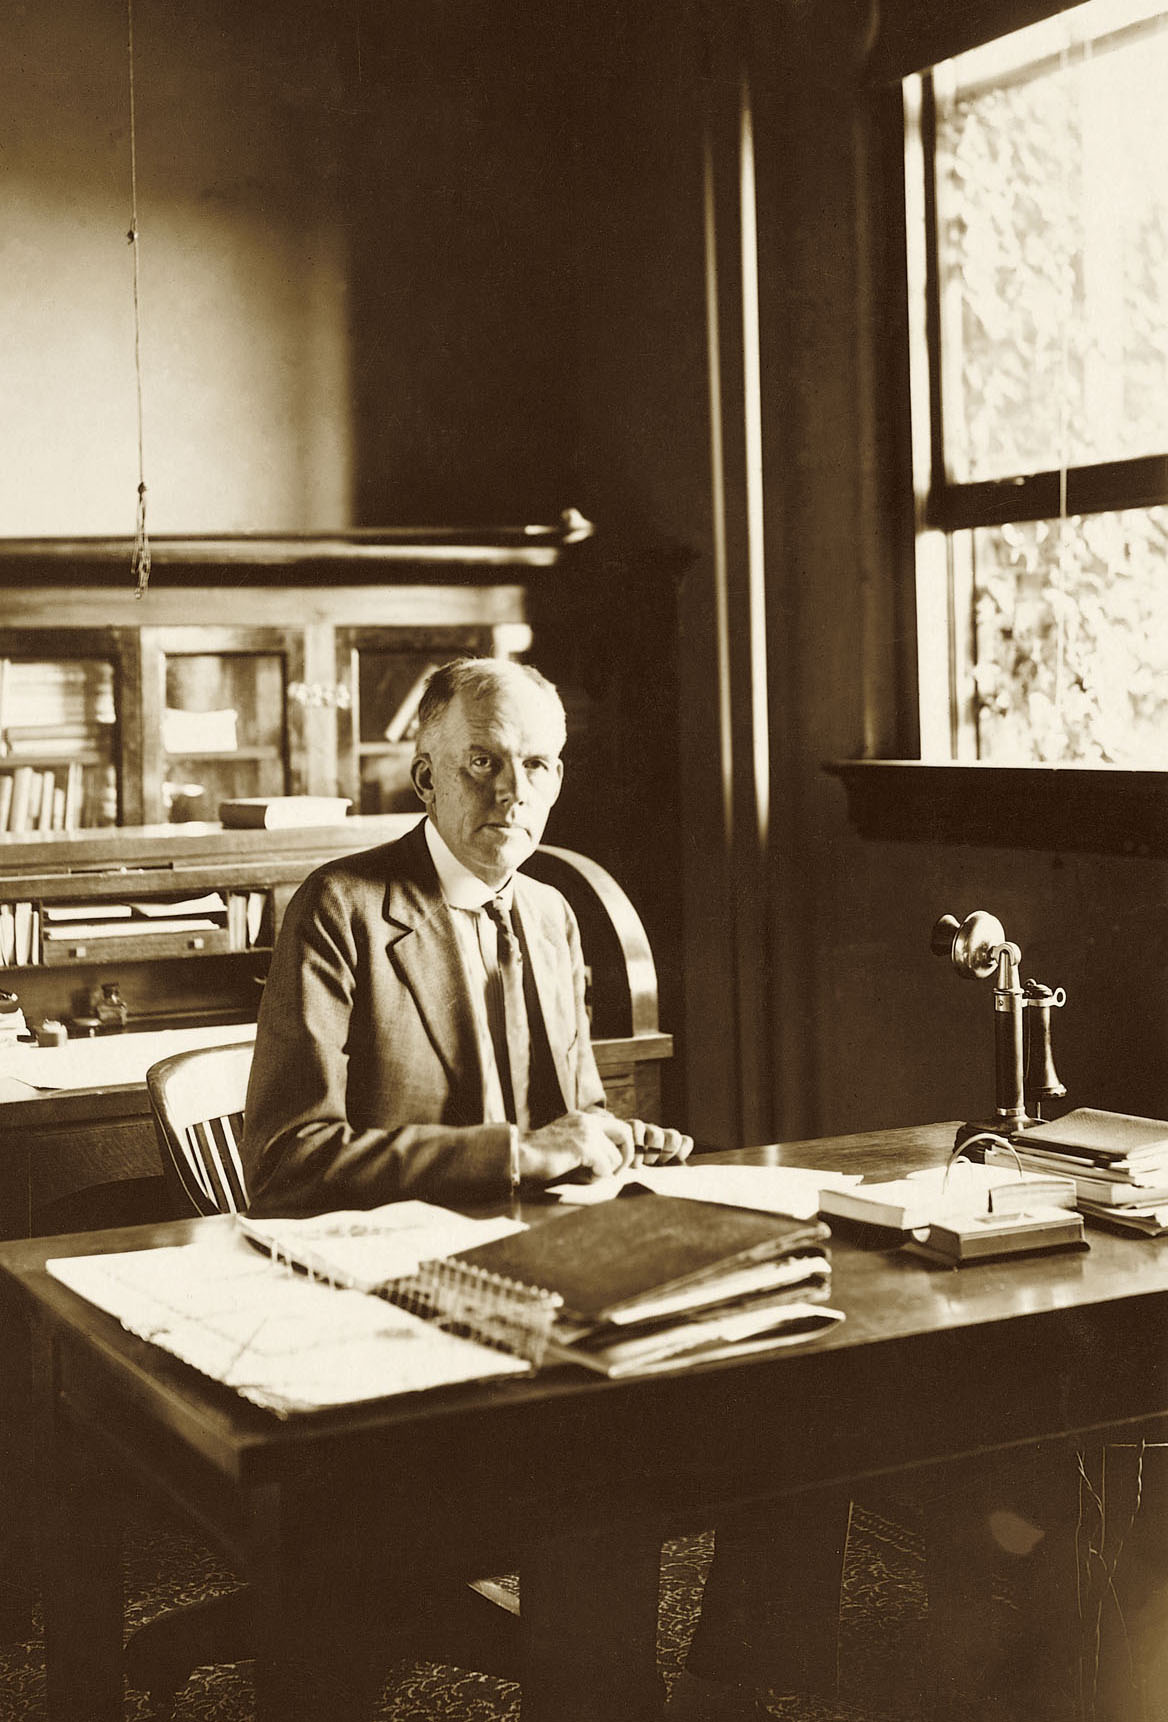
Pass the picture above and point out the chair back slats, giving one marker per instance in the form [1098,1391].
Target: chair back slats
[197,1098]
[212,1146]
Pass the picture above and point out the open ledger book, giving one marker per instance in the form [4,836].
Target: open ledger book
[459,1300]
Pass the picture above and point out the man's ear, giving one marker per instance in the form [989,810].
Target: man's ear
[559,782]
[422,777]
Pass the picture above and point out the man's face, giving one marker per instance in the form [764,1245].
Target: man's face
[492,775]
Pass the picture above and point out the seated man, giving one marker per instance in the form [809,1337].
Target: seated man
[423,1033]
[387,1060]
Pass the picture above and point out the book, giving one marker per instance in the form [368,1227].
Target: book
[7,935]
[161,908]
[86,912]
[1098,1184]
[256,909]
[129,929]
[5,799]
[706,1338]
[977,1237]
[615,1261]
[1150,1219]
[48,793]
[1103,1137]
[22,917]
[490,1288]
[282,812]
[908,1204]
[74,790]
[20,813]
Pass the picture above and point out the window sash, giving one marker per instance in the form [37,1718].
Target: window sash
[950,506]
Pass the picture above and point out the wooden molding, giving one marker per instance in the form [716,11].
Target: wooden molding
[1101,810]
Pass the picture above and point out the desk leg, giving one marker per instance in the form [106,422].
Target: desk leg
[81,1564]
[1010,1517]
[320,1633]
[588,1613]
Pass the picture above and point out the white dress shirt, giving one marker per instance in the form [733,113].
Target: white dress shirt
[478,943]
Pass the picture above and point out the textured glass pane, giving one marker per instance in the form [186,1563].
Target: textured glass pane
[1071,640]
[1052,197]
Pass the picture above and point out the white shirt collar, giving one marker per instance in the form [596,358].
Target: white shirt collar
[461,888]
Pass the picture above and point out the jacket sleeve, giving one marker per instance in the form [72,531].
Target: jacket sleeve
[300,1151]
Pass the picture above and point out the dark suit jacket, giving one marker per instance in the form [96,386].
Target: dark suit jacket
[367,1083]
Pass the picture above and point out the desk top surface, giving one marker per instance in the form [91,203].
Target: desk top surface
[897,1308]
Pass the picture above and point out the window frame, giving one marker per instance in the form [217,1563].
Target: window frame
[942,797]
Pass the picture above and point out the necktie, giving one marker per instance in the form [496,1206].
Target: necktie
[514,1014]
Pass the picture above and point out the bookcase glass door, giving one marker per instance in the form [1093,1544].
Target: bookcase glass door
[385,671]
[59,742]
[225,725]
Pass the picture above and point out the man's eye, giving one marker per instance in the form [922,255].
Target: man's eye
[480,761]
[530,765]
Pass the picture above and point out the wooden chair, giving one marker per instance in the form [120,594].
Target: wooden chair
[197,1100]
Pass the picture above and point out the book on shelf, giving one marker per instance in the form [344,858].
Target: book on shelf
[162,908]
[48,794]
[1105,1138]
[979,1237]
[282,812]
[5,799]
[130,929]
[7,935]
[93,911]
[20,814]
[24,941]
[256,907]
[402,723]
[74,793]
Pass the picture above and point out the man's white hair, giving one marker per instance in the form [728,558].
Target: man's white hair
[475,677]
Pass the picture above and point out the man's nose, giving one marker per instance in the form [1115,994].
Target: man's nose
[512,783]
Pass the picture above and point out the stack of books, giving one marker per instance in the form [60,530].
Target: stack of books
[635,1286]
[1117,1161]
[967,1212]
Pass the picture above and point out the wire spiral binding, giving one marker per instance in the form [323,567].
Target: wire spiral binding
[483,1306]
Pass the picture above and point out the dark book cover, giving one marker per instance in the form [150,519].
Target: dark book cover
[610,1257]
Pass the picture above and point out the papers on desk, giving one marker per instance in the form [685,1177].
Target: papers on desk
[364,1249]
[111,1059]
[790,1190]
[285,1341]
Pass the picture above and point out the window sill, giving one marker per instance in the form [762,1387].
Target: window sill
[1100,810]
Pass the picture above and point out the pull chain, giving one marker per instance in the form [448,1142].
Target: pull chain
[140,561]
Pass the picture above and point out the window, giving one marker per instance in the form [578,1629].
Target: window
[1038,262]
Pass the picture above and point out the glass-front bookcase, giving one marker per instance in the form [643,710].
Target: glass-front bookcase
[60,735]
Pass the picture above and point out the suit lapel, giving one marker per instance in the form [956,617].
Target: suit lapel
[423,949]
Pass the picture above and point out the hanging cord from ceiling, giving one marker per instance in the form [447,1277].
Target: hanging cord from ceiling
[140,561]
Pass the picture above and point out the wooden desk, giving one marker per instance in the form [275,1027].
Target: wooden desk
[931,1364]
[84,1142]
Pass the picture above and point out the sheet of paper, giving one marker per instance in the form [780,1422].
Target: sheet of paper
[284,1341]
[773,1189]
[111,1059]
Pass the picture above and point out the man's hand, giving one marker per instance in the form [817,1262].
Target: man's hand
[657,1145]
[595,1142]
